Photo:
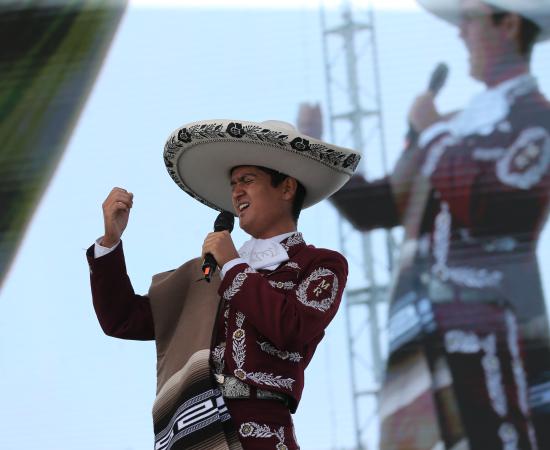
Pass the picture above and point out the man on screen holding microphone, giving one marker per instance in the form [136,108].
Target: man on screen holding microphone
[232,352]
[469,341]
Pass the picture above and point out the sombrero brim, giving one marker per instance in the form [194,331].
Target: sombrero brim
[534,10]
[199,157]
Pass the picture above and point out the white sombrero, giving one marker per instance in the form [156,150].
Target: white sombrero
[537,11]
[199,157]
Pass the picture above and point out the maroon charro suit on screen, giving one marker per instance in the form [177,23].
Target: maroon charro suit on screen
[469,341]
[269,325]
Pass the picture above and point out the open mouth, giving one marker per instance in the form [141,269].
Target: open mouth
[241,207]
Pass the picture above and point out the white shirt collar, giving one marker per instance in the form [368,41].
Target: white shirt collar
[265,253]
[484,112]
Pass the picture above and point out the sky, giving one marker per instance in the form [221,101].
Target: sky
[63,384]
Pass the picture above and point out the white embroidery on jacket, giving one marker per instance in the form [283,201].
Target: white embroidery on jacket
[293,240]
[255,430]
[488,154]
[509,436]
[239,356]
[461,275]
[435,153]
[270,379]
[237,282]
[286,285]
[324,304]
[458,341]
[519,374]
[526,162]
[292,265]
[270,349]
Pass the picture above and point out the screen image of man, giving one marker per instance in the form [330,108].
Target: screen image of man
[469,342]
[231,353]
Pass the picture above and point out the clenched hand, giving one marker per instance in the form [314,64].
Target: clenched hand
[116,211]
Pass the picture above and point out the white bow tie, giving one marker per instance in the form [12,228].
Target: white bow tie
[263,253]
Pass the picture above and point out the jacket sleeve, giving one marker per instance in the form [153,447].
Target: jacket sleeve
[291,316]
[367,204]
[121,312]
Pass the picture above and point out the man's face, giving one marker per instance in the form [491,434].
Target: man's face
[487,43]
[261,208]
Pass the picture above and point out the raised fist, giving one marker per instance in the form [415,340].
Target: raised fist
[116,211]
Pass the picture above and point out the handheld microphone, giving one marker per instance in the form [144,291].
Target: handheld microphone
[437,80]
[224,221]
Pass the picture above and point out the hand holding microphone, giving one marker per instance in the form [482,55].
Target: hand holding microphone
[423,112]
[218,246]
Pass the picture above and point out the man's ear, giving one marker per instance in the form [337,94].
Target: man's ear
[289,188]
[510,26]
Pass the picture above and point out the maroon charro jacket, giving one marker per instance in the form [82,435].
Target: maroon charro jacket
[473,207]
[273,320]
[269,325]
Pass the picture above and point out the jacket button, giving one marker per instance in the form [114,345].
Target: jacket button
[246,430]
[240,374]
[280,284]
[238,334]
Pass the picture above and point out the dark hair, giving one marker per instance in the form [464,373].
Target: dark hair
[528,31]
[276,179]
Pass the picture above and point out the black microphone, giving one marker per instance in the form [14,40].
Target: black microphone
[437,80]
[224,221]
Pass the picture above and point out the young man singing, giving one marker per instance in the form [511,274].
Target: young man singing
[232,353]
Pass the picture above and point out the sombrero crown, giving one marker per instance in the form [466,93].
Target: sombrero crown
[199,157]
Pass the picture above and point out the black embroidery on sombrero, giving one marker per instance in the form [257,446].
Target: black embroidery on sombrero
[188,136]
[236,130]
[184,136]
[336,159]
[300,144]
[351,161]
[169,164]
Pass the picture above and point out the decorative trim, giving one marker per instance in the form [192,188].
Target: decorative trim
[237,282]
[270,349]
[519,375]
[286,285]
[474,278]
[509,436]
[324,304]
[530,161]
[269,379]
[186,137]
[458,341]
[292,265]
[462,275]
[195,414]
[239,356]
[435,153]
[255,430]
[293,240]
[488,154]
[239,346]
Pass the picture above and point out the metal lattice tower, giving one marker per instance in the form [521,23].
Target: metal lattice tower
[355,120]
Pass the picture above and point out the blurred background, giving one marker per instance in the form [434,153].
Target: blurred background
[89,92]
